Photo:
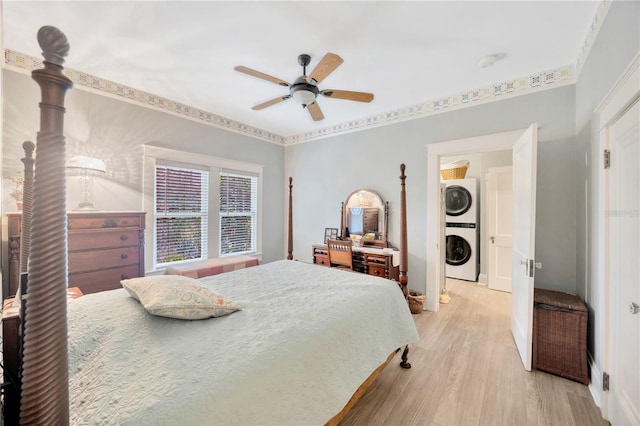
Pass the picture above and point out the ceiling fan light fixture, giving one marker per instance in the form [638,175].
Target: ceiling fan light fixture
[303,96]
[303,92]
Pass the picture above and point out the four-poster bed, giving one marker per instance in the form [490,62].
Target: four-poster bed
[304,345]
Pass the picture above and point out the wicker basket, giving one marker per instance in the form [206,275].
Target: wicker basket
[416,302]
[454,170]
[560,335]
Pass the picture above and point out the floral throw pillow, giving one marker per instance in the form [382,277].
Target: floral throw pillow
[176,296]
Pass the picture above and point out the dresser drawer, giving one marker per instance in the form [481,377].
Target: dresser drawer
[98,259]
[377,260]
[104,239]
[78,221]
[106,279]
[320,259]
[378,271]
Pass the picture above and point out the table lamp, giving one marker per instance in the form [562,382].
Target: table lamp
[86,168]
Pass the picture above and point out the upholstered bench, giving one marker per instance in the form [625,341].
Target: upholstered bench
[204,268]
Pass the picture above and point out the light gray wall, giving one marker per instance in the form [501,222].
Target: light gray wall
[326,171]
[617,43]
[115,132]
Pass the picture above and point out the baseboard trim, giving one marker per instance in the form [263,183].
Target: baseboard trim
[482,279]
[595,386]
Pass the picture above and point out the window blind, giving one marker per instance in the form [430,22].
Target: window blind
[238,213]
[181,206]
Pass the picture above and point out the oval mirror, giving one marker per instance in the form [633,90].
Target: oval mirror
[365,214]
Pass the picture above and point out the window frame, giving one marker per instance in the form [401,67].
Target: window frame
[203,213]
[252,214]
[154,154]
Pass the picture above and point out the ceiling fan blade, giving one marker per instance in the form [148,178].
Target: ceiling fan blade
[315,111]
[261,75]
[348,95]
[271,102]
[326,66]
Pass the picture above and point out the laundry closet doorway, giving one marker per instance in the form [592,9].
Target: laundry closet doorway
[523,252]
[487,186]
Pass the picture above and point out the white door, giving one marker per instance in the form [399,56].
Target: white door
[499,221]
[524,221]
[624,274]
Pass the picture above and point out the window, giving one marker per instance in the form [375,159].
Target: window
[181,214]
[200,207]
[238,213]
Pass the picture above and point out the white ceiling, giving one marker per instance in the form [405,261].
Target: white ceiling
[403,52]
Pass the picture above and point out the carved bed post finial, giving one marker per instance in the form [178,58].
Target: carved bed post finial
[45,373]
[290,242]
[54,44]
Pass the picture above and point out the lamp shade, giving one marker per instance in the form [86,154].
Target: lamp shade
[82,162]
[303,92]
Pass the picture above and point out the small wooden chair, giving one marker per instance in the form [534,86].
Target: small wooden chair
[340,254]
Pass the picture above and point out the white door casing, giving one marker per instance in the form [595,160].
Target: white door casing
[486,143]
[499,223]
[623,273]
[616,350]
[523,247]
[444,297]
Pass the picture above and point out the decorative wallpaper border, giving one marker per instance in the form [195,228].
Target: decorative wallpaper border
[592,32]
[514,87]
[25,63]
[519,86]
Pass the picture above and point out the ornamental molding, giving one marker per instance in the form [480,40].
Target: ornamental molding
[22,63]
[592,32]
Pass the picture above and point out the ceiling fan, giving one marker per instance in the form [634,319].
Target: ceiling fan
[304,89]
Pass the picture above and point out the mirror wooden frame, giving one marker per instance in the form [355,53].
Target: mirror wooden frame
[384,241]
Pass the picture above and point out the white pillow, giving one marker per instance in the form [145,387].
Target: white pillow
[177,296]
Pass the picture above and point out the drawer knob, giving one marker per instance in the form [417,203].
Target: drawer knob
[125,222]
[377,272]
[124,276]
[124,256]
[123,237]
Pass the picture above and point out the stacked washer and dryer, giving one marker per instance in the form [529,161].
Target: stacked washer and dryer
[463,229]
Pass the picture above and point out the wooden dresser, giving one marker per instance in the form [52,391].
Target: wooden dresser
[104,248]
[372,261]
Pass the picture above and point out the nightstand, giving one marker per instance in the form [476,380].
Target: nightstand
[11,358]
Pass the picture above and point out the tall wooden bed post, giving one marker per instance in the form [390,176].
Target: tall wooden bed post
[343,227]
[45,375]
[404,280]
[290,242]
[27,203]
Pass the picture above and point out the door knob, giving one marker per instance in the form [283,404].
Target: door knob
[634,308]
[493,239]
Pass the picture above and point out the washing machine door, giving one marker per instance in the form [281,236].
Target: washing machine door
[458,250]
[457,200]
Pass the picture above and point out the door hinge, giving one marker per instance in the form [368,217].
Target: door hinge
[607,158]
[605,381]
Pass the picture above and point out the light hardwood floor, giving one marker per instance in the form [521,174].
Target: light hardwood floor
[466,371]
